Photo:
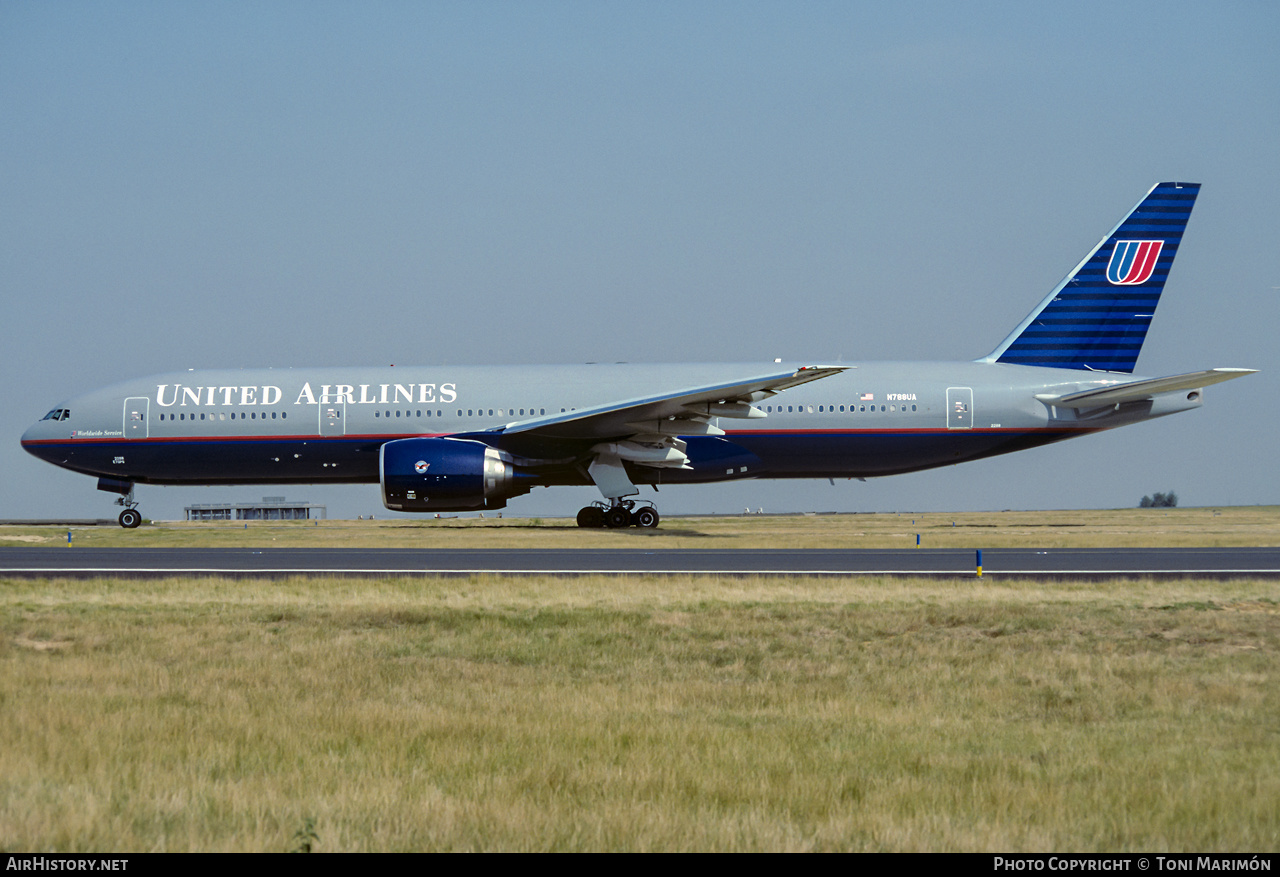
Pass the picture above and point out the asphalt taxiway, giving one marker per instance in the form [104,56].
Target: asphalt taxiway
[1062,562]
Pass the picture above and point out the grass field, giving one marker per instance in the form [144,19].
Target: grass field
[639,713]
[1233,526]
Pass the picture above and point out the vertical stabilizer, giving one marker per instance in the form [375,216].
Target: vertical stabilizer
[1098,317]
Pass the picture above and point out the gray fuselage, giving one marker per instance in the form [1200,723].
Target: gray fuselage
[315,425]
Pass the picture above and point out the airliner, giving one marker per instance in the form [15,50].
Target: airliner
[453,438]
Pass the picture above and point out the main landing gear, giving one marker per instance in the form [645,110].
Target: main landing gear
[622,513]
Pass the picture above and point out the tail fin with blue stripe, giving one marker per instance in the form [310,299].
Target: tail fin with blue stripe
[1097,318]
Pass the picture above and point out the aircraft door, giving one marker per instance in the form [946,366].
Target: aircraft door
[136,409]
[333,418]
[959,408]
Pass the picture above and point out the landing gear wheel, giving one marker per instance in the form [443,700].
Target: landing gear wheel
[591,516]
[130,518]
[646,517]
[617,517]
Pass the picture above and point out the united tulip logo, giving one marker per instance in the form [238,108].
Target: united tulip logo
[1132,262]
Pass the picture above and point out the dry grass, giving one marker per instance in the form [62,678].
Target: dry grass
[639,713]
[1236,526]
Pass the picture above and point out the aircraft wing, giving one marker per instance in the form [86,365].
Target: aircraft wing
[682,411]
[1138,391]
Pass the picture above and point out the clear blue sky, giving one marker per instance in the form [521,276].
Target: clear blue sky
[192,185]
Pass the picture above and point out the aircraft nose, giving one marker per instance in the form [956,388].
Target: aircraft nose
[35,433]
[32,434]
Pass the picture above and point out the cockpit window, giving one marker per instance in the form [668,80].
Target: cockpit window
[57,414]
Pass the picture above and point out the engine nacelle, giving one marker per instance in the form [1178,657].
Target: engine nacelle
[445,475]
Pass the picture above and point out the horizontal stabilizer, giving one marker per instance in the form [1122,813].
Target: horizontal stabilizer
[1137,391]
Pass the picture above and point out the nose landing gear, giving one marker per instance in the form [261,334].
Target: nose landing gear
[621,513]
[130,517]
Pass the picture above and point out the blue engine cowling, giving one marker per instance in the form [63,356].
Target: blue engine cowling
[445,475]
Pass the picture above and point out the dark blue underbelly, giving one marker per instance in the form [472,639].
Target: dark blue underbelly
[355,460]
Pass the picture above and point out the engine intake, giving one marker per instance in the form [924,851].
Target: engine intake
[445,475]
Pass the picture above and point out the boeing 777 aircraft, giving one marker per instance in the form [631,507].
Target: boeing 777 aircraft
[450,438]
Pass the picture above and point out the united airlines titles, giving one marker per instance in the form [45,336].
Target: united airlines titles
[325,394]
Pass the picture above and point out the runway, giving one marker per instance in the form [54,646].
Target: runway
[1061,562]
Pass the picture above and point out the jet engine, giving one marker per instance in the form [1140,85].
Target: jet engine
[446,475]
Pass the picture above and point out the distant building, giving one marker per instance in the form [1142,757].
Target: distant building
[272,508]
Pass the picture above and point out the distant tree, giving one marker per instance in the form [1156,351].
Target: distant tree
[1159,501]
